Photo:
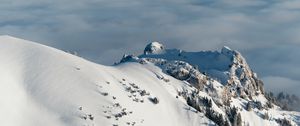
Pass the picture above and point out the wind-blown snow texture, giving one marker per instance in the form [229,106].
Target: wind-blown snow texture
[41,85]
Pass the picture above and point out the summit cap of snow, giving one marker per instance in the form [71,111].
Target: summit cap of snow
[225,49]
[153,48]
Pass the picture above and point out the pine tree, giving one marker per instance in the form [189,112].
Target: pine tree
[266,116]
[217,118]
[209,103]
[259,105]
[239,119]
[269,104]
[249,106]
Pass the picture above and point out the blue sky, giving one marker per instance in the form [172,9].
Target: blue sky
[266,32]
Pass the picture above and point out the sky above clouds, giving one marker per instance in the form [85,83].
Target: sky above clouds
[266,32]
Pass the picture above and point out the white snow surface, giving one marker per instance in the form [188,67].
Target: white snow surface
[43,86]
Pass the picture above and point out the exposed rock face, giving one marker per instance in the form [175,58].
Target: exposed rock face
[241,76]
[127,58]
[178,69]
[184,71]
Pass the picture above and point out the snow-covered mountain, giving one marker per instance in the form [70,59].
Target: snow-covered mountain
[41,85]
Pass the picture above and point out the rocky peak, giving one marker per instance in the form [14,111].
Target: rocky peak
[242,76]
[153,48]
[218,79]
[227,51]
[227,66]
[127,58]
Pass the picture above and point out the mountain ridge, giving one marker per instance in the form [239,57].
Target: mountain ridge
[224,66]
[45,86]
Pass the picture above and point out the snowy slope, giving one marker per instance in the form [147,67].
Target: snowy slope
[227,90]
[44,86]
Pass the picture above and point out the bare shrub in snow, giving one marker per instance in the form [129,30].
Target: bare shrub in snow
[249,106]
[104,93]
[284,122]
[91,117]
[154,100]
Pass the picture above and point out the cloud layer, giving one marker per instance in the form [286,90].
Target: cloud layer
[265,31]
[279,84]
